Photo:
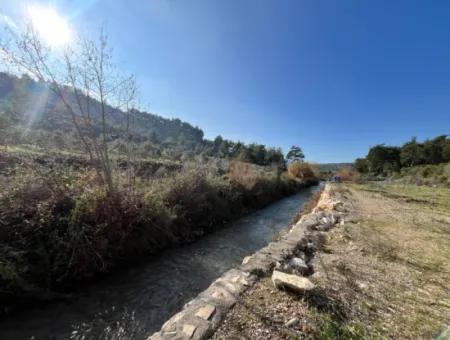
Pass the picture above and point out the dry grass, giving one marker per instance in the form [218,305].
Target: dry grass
[348,174]
[301,170]
[243,173]
[393,265]
[383,275]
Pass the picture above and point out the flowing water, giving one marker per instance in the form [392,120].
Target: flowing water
[135,302]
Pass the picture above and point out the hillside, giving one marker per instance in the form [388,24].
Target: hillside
[333,167]
[39,118]
[37,107]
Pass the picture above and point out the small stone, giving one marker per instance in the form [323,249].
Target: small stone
[298,264]
[310,246]
[361,285]
[333,219]
[292,323]
[188,330]
[246,259]
[205,312]
[172,333]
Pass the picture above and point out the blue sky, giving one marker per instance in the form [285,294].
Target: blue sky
[334,77]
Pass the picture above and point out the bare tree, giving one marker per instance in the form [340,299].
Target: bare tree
[82,76]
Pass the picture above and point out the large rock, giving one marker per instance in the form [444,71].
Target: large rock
[296,283]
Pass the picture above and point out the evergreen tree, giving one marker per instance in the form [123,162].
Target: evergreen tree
[412,153]
[361,165]
[295,154]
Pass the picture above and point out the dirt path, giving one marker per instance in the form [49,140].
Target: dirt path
[384,274]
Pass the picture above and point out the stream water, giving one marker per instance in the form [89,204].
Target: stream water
[133,303]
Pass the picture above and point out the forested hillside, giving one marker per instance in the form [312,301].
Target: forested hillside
[32,114]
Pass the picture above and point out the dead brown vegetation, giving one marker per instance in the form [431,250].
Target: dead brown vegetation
[348,174]
[301,170]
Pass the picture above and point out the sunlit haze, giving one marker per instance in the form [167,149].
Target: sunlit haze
[53,28]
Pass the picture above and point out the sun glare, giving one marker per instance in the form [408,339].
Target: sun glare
[52,27]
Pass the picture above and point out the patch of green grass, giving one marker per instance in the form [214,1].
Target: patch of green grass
[438,197]
[328,328]
[332,318]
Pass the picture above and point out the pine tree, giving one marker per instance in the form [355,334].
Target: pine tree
[295,154]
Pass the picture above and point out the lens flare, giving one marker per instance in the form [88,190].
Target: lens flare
[51,26]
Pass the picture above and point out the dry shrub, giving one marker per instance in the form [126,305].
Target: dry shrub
[348,174]
[301,170]
[199,202]
[316,169]
[243,173]
[90,177]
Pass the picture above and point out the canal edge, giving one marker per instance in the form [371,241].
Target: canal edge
[201,317]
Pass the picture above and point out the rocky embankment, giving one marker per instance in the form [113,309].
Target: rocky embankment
[289,261]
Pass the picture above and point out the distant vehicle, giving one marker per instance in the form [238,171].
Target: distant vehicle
[336,179]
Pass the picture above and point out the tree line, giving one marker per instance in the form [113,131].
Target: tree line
[81,101]
[31,114]
[383,159]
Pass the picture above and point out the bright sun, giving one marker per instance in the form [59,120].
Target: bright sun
[52,27]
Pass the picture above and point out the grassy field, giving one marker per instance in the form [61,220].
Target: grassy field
[384,274]
[393,264]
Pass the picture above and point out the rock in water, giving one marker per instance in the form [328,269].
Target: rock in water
[296,283]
